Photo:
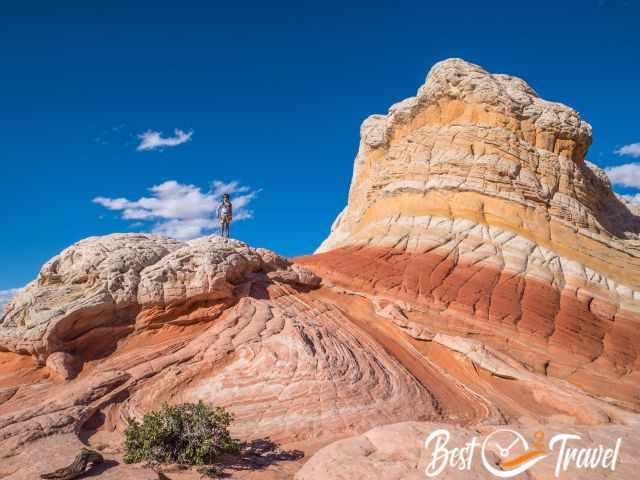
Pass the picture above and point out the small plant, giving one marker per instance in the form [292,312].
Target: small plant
[190,433]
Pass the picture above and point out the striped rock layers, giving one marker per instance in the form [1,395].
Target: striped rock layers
[472,210]
[483,273]
[485,243]
[116,326]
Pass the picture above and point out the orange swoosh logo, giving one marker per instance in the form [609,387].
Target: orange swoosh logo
[514,462]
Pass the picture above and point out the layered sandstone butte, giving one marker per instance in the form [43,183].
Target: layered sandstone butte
[473,210]
[478,232]
[482,274]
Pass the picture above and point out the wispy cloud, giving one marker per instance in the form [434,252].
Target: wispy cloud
[633,150]
[110,135]
[6,296]
[152,140]
[627,175]
[182,211]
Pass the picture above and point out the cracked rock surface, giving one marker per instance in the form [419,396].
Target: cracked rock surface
[472,205]
[480,238]
[482,275]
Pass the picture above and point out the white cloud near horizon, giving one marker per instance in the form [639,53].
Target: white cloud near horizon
[633,150]
[152,140]
[182,211]
[632,199]
[7,295]
[627,175]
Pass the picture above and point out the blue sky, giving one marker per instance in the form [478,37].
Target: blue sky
[102,104]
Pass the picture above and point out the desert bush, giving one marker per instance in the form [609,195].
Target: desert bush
[190,433]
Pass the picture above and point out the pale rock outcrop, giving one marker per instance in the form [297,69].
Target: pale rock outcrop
[90,284]
[102,284]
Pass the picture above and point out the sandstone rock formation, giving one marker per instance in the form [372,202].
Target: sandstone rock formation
[486,148]
[478,231]
[212,319]
[87,286]
[63,365]
[97,286]
[482,274]
[473,210]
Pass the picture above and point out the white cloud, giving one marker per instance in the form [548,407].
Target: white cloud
[627,175]
[182,211]
[632,199]
[633,149]
[152,140]
[7,295]
[184,229]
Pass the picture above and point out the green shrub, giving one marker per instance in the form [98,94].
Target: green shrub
[192,434]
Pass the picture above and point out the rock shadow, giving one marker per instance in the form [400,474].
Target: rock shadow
[257,455]
[98,470]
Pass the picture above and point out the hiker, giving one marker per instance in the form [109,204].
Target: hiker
[225,215]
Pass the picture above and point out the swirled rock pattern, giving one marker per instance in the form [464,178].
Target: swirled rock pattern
[473,204]
[479,235]
[482,274]
[211,319]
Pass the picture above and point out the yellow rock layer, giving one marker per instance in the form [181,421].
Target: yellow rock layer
[621,265]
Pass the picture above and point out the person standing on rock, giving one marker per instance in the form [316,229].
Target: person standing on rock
[225,215]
